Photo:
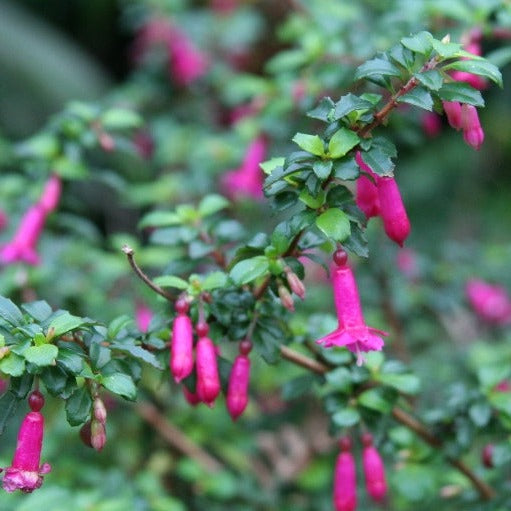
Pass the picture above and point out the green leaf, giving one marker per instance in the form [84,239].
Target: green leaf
[69,168]
[322,168]
[43,355]
[480,413]
[418,43]
[21,386]
[334,223]
[269,166]
[70,359]
[375,68]
[478,67]
[118,324]
[346,417]
[379,161]
[214,280]
[171,281]
[78,406]
[311,143]
[212,204]
[350,103]
[249,269]
[298,386]
[138,352]
[10,312]
[312,201]
[340,377]
[39,310]
[431,79]
[341,142]
[407,383]
[420,97]
[66,322]
[445,50]
[323,110]
[8,405]
[374,400]
[12,364]
[58,382]
[462,92]
[120,118]
[160,219]
[120,384]
[347,170]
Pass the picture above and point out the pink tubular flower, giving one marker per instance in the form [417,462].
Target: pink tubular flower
[452,110]
[392,210]
[239,379]
[367,194]
[181,355]
[431,124]
[51,194]
[25,472]
[374,470]
[192,398]
[208,380]
[187,63]
[490,302]
[473,134]
[143,317]
[247,180]
[24,243]
[352,331]
[345,482]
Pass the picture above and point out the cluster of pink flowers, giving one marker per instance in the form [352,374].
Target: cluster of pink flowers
[23,246]
[352,331]
[206,365]
[186,63]
[247,180]
[380,196]
[345,478]
[26,472]
[491,303]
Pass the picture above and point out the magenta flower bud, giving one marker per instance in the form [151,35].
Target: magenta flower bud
[490,302]
[473,134]
[374,470]
[237,390]
[295,283]
[97,435]
[99,410]
[503,386]
[208,380]
[452,110]
[51,194]
[392,210]
[24,243]
[247,180]
[476,81]
[192,398]
[487,456]
[431,124]
[143,317]
[366,197]
[345,482]
[25,472]
[187,63]
[352,331]
[181,354]
[285,298]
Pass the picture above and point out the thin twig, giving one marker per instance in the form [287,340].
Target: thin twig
[130,254]
[486,491]
[176,438]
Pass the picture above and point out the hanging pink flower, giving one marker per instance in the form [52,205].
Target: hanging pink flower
[431,124]
[345,479]
[25,472]
[239,379]
[366,197]
[490,302]
[352,331]
[208,380]
[192,398]
[247,180]
[181,355]
[452,110]
[51,194]
[23,246]
[143,317]
[374,469]
[473,133]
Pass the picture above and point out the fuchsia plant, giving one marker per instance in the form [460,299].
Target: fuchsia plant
[374,470]
[208,381]
[181,357]
[239,379]
[345,483]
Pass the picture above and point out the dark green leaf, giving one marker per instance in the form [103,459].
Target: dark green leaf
[376,68]
[118,324]
[334,223]
[346,417]
[407,383]
[70,359]
[212,204]
[39,310]
[431,79]
[375,400]
[445,49]
[349,103]
[322,168]
[478,67]
[298,386]
[379,161]
[9,312]
[43,355]
[138,352]
[78,406]
[420,97]
[462,92]
[419,43]
[8,405]
[480,413]
[323,110]
[347,170]
[340,377]
[21,386]
[66,322]
[58,382]
[249,269]
[121,384]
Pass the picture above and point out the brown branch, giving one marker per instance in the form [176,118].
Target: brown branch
[130,254]
[485,491]
[176,438]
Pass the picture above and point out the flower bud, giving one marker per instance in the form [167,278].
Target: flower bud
[98,435]
[192,398]
[367,193]
[374,470]
[487,456]
[473,134]
[237,390]
[285,298]
[181,355]
[345,484]
[99,410]
[208,380]
[295,284]
[51,193]
[452,110]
